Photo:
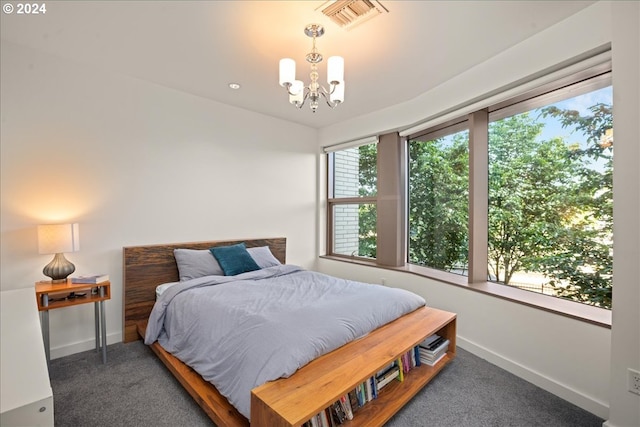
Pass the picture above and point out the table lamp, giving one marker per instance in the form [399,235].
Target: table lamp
[57,239]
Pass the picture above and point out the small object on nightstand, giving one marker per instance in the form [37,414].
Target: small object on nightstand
[92,278]
[73,295]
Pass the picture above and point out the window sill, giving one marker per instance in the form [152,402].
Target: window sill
[575,310]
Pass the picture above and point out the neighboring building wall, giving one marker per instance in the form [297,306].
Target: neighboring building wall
[346,184]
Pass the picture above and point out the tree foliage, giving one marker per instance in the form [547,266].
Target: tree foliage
[438,202]
[532,195]
[581,266]
[368,177]
[550,202]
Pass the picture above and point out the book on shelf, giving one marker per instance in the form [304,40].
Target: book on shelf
[387,377]
[435,361]
[374,388]
[432,342]
[346,406]
[416,355]
[337,413]
[443,346]
[353,400]
[91,278]
[433,356]
[400,369]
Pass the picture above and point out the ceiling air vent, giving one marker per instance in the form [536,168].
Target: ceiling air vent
[349,13]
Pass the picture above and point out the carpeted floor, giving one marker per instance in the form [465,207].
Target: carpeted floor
[135,389]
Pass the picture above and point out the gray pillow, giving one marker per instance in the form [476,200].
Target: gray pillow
[263,257]
[193,263]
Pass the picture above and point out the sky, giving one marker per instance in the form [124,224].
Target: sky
[553,127]
[579,103]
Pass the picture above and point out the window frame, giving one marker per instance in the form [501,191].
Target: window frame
[478,201]
[333,201]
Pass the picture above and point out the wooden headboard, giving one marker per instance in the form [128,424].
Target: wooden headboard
[146,267]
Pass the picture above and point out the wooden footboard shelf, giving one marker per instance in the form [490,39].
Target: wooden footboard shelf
[294,400]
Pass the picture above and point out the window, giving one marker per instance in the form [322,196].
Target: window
[518,193]
[352,201]
[550,195]
[439,200]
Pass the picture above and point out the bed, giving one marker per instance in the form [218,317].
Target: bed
[288,401]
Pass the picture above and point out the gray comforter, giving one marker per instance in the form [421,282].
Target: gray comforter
[239,332]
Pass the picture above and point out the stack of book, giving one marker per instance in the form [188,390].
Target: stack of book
[432,349]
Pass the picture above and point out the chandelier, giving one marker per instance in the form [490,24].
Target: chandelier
[298,93]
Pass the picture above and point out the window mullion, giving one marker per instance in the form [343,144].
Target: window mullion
[391,213]
[478,195]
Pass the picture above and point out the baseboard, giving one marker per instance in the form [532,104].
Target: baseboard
[596,407]
[80,346]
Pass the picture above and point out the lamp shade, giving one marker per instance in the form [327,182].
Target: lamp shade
[287,71]
[335,69]
[58,238]
[297,92]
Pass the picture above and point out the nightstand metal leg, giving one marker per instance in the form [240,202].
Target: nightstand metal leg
[103,326]
[96,322]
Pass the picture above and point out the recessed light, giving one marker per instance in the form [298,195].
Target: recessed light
[234,86]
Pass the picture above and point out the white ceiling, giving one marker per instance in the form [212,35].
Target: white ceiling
[200,46]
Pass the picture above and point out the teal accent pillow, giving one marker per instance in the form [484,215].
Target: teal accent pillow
[234,259]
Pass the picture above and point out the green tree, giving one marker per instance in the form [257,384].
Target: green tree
[549,208]
[583,256]
[531,194]
[438,202]
[368,177]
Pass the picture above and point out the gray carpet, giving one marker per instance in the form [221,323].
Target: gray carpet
[135,389]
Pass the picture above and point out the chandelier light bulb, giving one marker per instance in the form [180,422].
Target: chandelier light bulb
[297,87]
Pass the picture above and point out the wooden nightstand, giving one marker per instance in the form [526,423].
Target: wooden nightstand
[58,295]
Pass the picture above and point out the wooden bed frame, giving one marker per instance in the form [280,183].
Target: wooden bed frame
[291,401]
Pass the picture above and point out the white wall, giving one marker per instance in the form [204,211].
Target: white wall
[136,163]
[625,346]
[575,360]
